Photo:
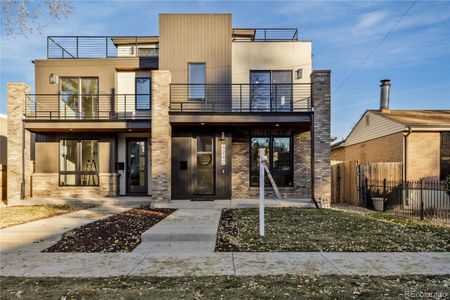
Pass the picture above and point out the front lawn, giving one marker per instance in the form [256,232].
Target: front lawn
[300,229]
[15,215]
[117,233]
[227,287]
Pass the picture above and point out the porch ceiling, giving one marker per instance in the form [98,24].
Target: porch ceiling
[87,126]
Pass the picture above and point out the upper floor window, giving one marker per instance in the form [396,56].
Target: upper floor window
[197,81]
[79,97]
[143,93]
[271,90]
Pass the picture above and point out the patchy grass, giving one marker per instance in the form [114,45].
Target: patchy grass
[226,287]
[299,229]
[15,215]
[118,233]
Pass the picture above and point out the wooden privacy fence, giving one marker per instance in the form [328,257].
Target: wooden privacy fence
[347,175]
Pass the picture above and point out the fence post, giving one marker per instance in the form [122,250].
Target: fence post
[421,200]
[384,195]
[366,200]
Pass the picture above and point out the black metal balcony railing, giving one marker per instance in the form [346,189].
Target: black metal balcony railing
[264,34]
[101,46]
[240,97]
[87,107]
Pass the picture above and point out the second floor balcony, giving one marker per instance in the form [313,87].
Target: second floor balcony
[90,107]
[240,98]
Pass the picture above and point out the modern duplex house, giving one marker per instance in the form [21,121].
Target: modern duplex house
[175,116]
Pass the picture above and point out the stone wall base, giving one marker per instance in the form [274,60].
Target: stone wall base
[46,185]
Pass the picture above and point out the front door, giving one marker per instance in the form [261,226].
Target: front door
[136,166]
[205,165]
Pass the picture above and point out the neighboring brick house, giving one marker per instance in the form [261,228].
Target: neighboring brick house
[178,116]
[420,139]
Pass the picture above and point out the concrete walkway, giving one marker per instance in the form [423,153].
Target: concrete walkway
[237,264]
[184,231]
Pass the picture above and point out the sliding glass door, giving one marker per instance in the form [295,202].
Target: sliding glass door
[271,90]
[79,98]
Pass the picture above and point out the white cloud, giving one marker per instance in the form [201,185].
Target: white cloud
[371,19]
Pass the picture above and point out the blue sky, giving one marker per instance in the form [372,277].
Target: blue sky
[415,56]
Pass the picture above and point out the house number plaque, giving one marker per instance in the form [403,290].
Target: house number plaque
[222,155]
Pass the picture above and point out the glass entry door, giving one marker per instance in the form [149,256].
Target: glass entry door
[136,166]
[205,165]
[79,98]
[271,90]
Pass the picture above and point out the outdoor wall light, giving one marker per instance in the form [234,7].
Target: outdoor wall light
[53,78]
[222,136]
[202,123]
[298,73]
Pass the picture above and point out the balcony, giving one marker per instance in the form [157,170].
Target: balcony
[238,104]
[265,34]
[62,47]
[75,107]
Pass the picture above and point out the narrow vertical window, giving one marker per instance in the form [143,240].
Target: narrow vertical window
[143,93]
[197,81]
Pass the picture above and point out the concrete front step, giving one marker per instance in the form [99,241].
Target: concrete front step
[185,225]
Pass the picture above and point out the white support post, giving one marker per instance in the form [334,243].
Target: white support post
[261,191]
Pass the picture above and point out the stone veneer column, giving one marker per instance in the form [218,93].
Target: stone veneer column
[16,100]
[161,136]
[321,98]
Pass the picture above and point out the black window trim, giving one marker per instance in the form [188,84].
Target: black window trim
[270,83]
[77,172]
[189,83]
[271,137]
[136,94]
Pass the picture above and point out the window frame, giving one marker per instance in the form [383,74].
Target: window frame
[79,78]
[291,108]
[444,166]
[136,94]
[78,173]
[271,138]
[189,81]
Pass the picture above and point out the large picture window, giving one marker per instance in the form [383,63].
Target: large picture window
[271,90]
[197,81]
[279,151]
[143,93]
[79,97]
[78,163]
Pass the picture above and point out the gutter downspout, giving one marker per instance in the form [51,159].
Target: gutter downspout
[404,162]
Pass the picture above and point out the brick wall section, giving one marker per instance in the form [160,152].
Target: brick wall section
[321,97]
[161,136]
[16,96]
[384,149]
[46,185]
[423,157]
[240,178]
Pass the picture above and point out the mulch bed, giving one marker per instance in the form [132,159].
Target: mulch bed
[228,224]
[118,233]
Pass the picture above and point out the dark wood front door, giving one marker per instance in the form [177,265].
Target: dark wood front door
[137,181]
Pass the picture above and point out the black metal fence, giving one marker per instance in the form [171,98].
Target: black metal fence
[424,199]
[264,34]
[87,106]
[101,46]
[240,97]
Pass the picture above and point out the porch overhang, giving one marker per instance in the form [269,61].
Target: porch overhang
[87,125]
[282,119]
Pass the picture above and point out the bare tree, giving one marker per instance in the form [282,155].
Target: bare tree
[23,16]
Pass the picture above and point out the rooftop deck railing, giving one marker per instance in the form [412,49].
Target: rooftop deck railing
[87,106]
[264,34]
[100,46]
[240,98]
